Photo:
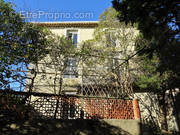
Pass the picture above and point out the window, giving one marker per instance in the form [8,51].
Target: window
[111,37]
[71,63]
[72,35]
[71,68]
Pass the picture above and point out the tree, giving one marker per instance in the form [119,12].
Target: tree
[56,62]
[20,43]
[113,43]
[158,23]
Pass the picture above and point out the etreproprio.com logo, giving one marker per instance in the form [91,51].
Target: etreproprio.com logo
[56,15]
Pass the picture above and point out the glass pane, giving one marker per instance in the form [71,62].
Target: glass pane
[67,72]
[70,36]
[71,68]
[73,62]
[66,76]
[75,40]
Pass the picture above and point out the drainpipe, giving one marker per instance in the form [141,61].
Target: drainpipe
[137,114]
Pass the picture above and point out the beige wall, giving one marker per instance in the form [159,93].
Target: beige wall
[45,82]
[83,33]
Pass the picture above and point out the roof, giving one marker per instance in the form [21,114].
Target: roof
[85,24]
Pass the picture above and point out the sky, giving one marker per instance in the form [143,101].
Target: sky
[61,10]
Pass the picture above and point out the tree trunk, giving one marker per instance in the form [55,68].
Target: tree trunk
[163,111]
[175,109]
[57,100]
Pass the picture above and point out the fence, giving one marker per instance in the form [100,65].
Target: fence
[72,107]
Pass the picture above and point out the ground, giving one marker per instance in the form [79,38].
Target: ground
[11,125]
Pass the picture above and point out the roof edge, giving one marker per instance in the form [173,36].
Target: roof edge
[85,24]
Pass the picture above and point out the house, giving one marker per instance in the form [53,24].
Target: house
[72,82]
[102,69]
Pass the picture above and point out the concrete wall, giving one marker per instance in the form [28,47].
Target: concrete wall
[130,127]
[150,111]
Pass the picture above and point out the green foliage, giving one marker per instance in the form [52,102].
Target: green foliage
[149,78]
[107,17]
[152,17]
[20,42]
[151,75]
[158,24]
[59,51]
[112,44]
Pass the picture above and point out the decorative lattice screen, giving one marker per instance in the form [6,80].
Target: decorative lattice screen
[73,107]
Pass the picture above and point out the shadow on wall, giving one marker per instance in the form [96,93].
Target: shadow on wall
[151,116]
[150,128]
[10,125]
